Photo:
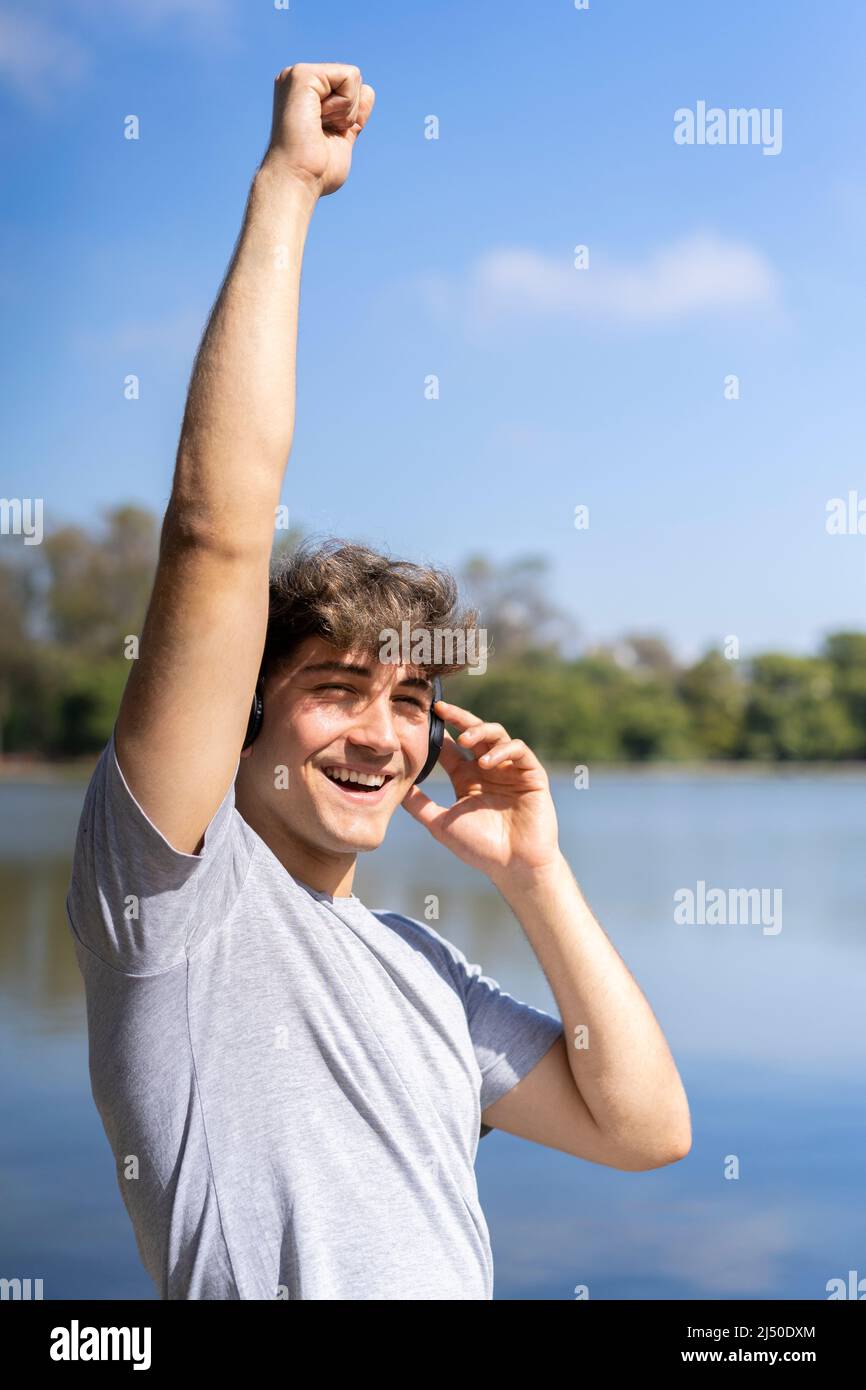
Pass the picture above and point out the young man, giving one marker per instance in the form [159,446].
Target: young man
[294,1086]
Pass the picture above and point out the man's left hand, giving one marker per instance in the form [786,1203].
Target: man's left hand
[503,820]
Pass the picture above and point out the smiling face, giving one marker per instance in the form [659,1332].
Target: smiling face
[330,719]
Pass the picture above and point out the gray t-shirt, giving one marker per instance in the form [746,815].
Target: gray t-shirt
[291,1084]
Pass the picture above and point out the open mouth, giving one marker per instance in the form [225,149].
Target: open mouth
[357,786]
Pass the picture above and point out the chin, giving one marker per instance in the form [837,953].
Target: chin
[360,837]
[358,847]
[354,835]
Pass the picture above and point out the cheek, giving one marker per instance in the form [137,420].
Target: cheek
[312,731]
[416,744]
[318,727]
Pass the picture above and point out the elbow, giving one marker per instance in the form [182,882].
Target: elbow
[671,1147]
[659,1158]
[674,1133]
[672,1154]
[677,1147]
[194,529]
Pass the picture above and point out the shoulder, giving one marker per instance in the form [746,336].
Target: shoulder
[447,958]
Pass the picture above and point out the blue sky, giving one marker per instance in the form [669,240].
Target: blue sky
[558,387]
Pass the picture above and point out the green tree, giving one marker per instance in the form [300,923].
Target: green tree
[515,607]
[792,712]
[846,654]
[714,694]
[98,586]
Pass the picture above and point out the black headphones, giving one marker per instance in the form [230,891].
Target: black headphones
[434,741]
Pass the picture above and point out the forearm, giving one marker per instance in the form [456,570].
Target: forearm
[621,1064]
[240,412]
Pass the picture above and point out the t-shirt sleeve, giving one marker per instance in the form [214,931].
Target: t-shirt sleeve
[135,901]
[508,1035]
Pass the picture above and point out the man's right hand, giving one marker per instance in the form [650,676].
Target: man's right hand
[320,110]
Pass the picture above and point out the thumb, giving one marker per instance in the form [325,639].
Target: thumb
[368,97]
[422,808]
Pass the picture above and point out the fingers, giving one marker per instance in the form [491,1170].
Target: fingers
[513,750]
[331,77]
[365,106]
[481,733]
[487,742]
[455,714]
[451,755]
[340,109]
[476,734]
[345,102]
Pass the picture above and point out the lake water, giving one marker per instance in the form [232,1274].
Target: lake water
[767,1028]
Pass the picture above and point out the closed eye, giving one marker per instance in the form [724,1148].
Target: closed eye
[407,699]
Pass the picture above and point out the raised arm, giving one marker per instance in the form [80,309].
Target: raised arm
[184,711]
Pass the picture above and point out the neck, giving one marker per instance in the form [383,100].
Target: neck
[331,873]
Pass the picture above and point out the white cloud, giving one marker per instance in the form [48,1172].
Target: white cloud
[150,14]
[696,274]
[739,1253]
[37,59]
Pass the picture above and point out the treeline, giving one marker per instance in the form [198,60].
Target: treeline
[68,605]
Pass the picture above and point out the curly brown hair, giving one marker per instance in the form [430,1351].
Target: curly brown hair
[350,595]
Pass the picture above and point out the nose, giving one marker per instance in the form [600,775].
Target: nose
[374,727]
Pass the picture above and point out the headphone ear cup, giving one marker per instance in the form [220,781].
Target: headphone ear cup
[257,712]
[436,735]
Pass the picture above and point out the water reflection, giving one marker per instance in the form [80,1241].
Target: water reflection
[766,1030]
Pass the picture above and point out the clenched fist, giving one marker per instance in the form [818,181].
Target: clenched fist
[320,110]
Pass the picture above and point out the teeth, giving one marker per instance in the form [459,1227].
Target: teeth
[366,779]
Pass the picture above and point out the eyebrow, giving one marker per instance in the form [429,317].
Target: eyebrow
[349,668]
